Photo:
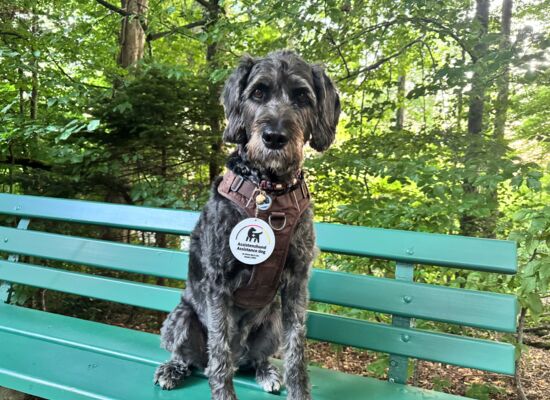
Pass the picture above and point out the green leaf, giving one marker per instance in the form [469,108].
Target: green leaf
[92,125]
[534,303]
[7,108]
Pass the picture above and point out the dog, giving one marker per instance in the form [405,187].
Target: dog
[253,236]
[274,106]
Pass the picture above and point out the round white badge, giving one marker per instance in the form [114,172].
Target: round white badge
[252,241]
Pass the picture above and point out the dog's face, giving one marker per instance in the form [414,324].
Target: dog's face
[274,105]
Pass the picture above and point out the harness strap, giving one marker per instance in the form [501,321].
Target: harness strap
[282,216]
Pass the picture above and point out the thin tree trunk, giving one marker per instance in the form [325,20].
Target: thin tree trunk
[460,103]
[503,83]
[132,32]
[501,109]
[34,63]
[470,225]
[21,92]
[212,16]
[400,113]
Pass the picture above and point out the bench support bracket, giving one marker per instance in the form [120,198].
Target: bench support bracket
[399,365]
[6,288]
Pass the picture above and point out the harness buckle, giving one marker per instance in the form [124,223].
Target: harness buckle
[235,188]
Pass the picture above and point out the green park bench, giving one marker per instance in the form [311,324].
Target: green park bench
[61,357]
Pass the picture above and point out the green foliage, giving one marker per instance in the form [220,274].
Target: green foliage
[440,384]
[379,368]
[531,221]
[482,391]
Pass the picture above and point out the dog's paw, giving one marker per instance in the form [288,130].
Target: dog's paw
[269,378]
[170,374]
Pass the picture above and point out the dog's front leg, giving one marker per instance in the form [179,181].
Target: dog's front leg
[220,364]
[294,297]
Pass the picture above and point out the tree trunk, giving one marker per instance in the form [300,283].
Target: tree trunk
[503,83]
[212,16]
[34,63]
[501,109]
[21,92]
[400,113]
[132,32]
[470,225]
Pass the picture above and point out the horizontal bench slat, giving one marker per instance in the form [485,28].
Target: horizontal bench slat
[417,247]
[97,213]
[98,253]
[438,347]
[411,247]
[117,290]
[464,307]
[438,303]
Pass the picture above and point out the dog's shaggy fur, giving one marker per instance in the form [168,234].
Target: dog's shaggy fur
[294,102]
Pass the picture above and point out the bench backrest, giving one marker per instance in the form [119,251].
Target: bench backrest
[401,297]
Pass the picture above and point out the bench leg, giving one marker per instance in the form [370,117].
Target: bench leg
[294,297]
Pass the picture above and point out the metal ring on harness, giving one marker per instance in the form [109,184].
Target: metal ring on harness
[280,228]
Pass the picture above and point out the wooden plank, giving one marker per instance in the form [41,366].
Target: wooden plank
[419,248]
[438,303]
[449,349]
[96,213]
[97,253]
[117,290]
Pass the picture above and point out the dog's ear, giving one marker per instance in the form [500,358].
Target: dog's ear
[328,110]
[231,99]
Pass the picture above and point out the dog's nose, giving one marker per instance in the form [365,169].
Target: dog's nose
[273,140]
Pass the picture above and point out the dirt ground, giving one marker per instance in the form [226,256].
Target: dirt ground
[535,373]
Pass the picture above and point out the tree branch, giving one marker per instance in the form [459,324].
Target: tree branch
[114,8]
[27,162]
[439,25]
[204,3]
[71,78]
[16,34]
[381,61]
[177,29]
[448,31]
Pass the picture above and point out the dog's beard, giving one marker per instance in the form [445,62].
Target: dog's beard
[282,162]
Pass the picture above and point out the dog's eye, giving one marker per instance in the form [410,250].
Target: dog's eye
[302,98]
[258,94]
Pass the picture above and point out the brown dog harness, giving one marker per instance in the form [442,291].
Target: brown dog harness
[283,215]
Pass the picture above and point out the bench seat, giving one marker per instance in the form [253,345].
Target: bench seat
[97,361]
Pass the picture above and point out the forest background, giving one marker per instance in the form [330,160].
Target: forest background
[445,125]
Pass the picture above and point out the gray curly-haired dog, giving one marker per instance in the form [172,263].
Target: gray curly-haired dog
[274,106]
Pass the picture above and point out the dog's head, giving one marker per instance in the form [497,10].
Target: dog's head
[274,105]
